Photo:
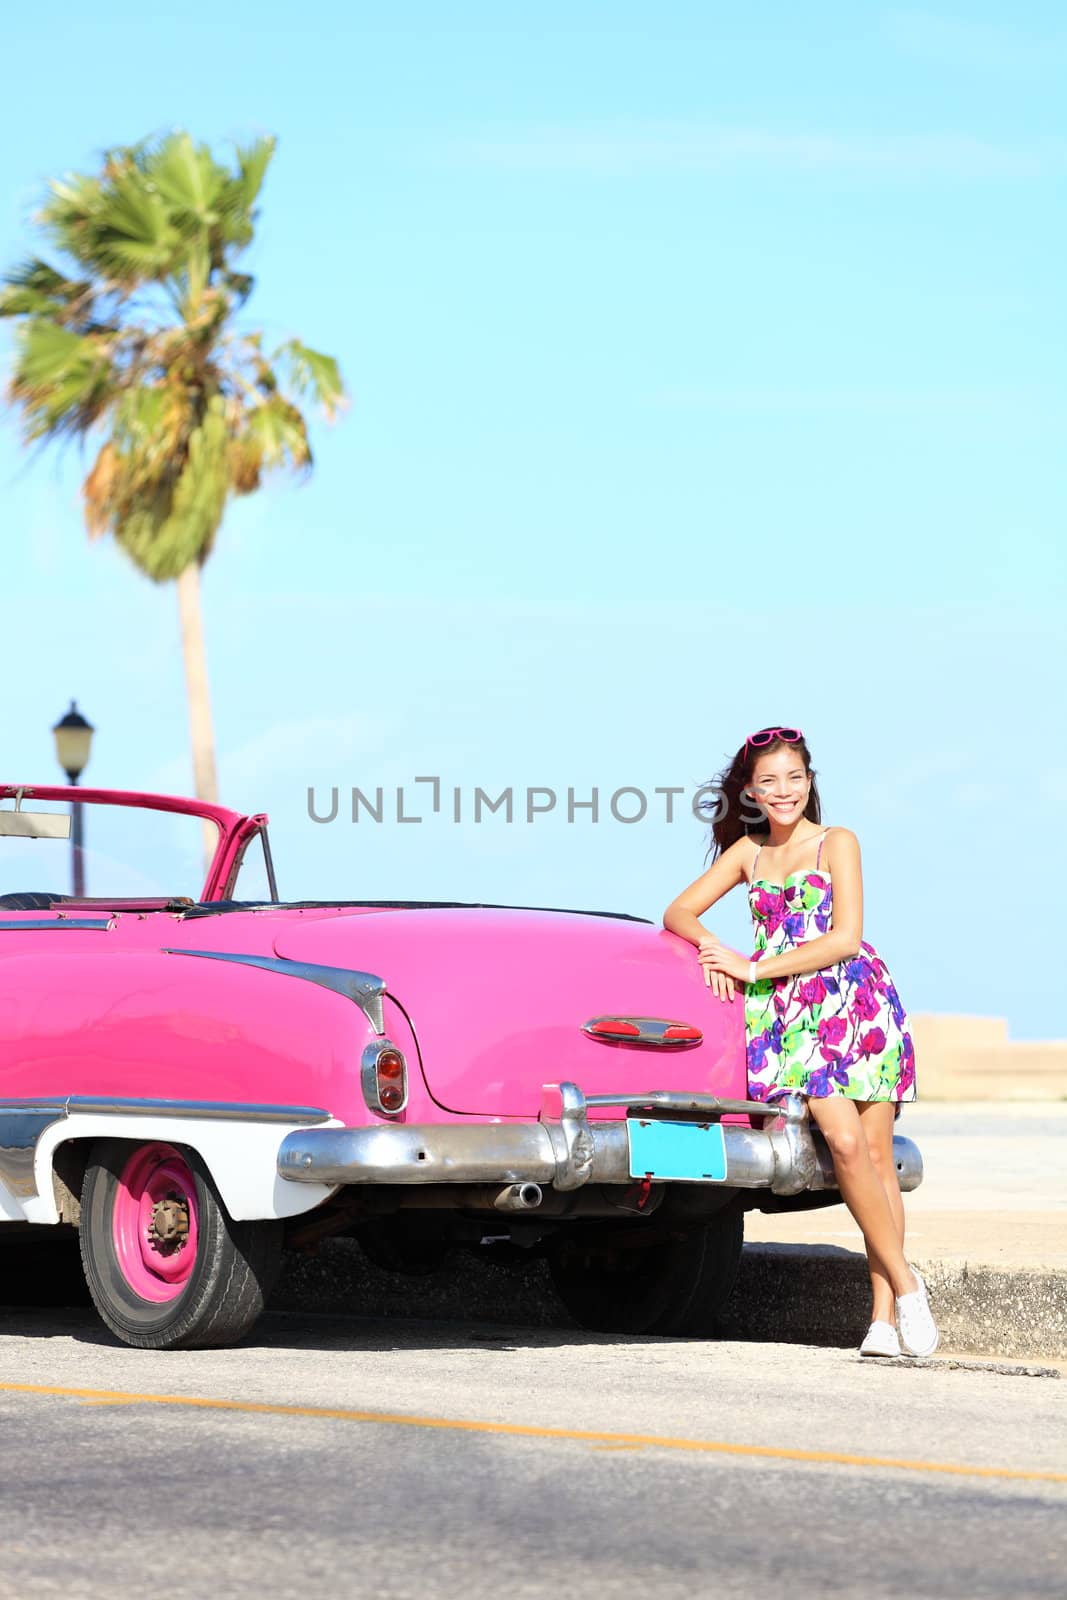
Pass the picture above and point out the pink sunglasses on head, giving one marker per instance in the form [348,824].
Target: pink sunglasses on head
[767,736]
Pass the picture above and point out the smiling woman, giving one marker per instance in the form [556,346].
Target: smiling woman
[823,1019]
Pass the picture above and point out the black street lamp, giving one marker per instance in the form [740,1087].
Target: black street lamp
[74,737]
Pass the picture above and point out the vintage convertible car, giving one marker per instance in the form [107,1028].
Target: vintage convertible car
[194,1080]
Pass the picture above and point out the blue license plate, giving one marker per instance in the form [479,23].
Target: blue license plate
[689,1152]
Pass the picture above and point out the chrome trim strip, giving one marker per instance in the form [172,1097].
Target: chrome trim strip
[563,1149]
[365,989]
[21,1104]
[99,924]
[211,1110]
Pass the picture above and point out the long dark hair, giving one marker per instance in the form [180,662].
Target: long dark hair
[733,816]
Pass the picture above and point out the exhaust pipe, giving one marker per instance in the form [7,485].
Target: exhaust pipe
[519,1197]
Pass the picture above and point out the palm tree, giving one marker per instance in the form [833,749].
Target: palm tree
[131,339]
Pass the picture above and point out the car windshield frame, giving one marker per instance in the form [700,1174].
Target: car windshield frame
[235,831]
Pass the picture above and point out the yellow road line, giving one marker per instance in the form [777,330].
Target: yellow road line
[521,1430]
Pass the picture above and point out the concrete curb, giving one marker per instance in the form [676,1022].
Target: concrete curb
[794,1294]
[820,1294]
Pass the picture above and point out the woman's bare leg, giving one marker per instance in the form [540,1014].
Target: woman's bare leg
[862,1189]
[876,1120]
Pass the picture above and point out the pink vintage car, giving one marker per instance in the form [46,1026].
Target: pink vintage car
[194,1076]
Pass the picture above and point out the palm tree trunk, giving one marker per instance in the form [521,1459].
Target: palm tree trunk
[196,686]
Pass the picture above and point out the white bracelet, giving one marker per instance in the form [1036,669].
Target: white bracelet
[752,973]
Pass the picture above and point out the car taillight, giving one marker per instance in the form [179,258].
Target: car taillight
[391,1080]
[385,1078]
[663,1031]
[683,1033]
[614,1028]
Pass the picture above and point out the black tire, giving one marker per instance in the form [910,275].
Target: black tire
[231,1278]
[657,1282]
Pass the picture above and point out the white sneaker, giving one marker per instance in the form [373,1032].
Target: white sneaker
[918,1330]
[880,1340]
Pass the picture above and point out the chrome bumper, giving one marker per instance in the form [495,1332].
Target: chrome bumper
[565,1150]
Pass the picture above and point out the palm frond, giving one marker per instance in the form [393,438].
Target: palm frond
[38,279]
[135,235]
[189,182]
[61,379]
[69,215]
[37,289]
[312,372]
[242,191]
[273,435]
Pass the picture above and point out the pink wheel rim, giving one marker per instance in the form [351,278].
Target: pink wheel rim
[154,1222]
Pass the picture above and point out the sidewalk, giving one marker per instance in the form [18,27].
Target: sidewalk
[987,1227]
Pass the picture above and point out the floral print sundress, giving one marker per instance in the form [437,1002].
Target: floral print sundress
[841,1030]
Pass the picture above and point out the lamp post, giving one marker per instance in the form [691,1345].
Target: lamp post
[74,737]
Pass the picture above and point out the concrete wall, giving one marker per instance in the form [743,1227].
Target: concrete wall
[972,1058]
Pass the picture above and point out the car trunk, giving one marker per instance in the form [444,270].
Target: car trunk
[497,999]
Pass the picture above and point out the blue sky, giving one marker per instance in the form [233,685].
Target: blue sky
[707,370]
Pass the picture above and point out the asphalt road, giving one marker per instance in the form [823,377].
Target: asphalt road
[395,1458]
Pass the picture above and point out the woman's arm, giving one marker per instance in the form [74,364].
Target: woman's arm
[846,931]
[683,914]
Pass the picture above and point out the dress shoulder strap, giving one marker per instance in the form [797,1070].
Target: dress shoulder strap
[755,858]
[818,853]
